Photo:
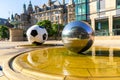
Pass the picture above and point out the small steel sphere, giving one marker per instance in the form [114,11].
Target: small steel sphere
[78,36]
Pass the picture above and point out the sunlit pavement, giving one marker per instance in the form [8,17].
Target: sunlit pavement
[9,49]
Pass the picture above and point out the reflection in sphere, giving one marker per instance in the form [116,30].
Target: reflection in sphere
[78,36]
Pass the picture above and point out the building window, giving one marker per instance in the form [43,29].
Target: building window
[35,16]
[48,14]
[81,17]
[51,13]
[81,10]
[56,12]
[51,18]
[118,4]
[81,1]
[57,17]
[100,5]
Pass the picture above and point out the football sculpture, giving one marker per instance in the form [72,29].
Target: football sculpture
[37,34]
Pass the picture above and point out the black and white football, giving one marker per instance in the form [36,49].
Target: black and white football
[37,34]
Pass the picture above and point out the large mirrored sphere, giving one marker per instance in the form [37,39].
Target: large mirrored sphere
[78,36]
[37,34]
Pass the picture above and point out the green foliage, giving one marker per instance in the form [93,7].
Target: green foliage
[47,25]
[55,27]
[61,26]
[4,32]
[52,29]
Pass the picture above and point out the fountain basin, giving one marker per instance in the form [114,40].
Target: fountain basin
[59,63]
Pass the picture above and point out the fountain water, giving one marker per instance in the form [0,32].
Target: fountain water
[58,62]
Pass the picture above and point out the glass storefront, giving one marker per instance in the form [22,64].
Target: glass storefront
[117,4]
[116,27]
[102,28]
[81,9]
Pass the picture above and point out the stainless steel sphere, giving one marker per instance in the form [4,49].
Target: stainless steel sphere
[78,36]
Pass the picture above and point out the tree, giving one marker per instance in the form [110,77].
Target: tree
[52,29]
[57,29]
[4,32]
[47,25]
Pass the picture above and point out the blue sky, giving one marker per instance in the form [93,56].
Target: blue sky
[7,7]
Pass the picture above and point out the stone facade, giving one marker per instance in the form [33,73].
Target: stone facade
[71,11]
[53,11]
[16,34]
[25,19]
